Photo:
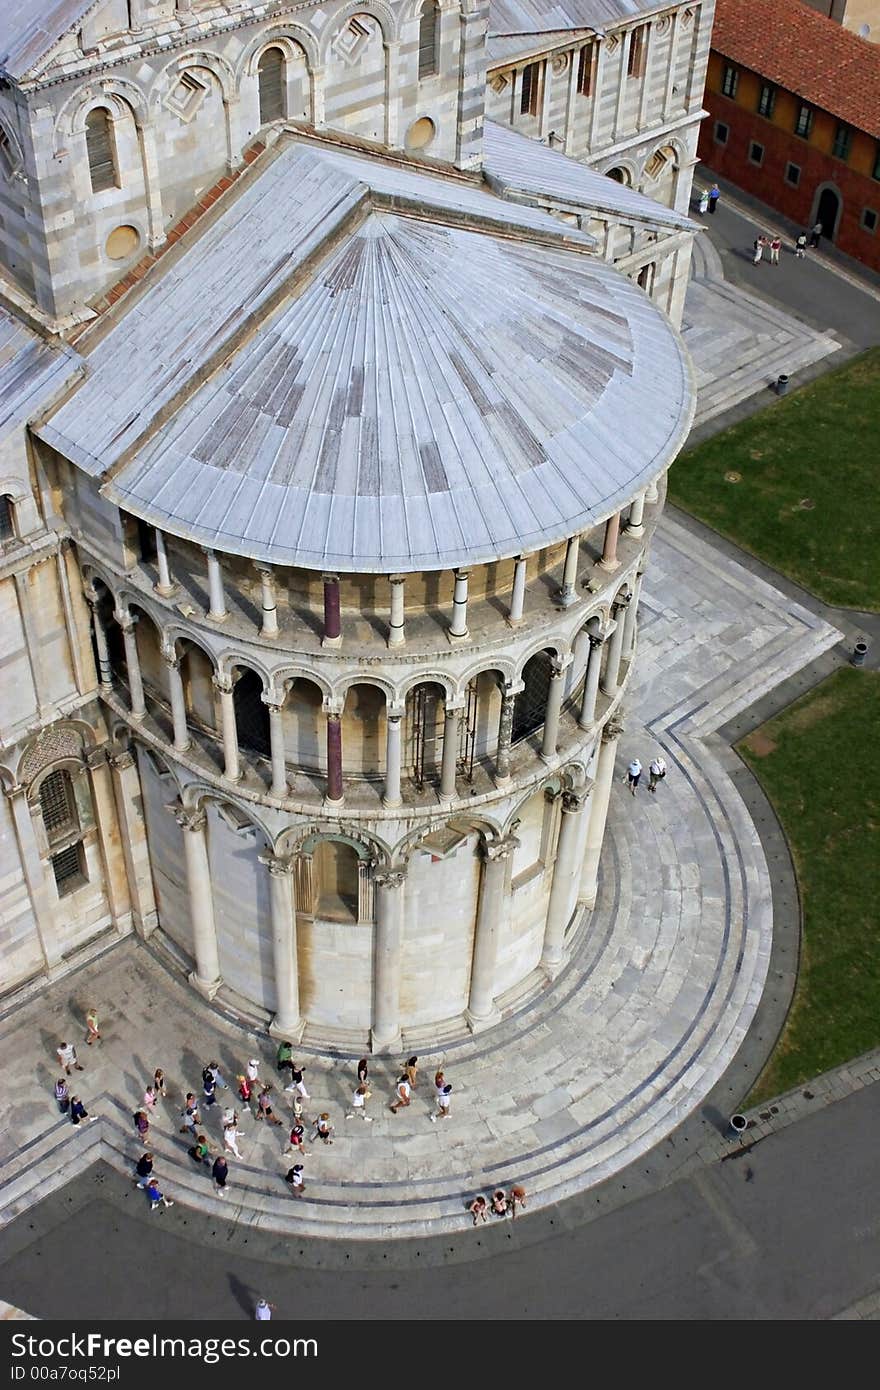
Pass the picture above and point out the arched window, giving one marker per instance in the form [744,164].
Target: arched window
[425,721]
[251,714]
[271,74]
[99,144]
[63,831]
[7,519]
[429,35]
[531,702]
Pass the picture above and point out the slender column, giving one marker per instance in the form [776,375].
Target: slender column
[609,560]
[571,100]
[505,732]
[115,882]
[598,813]
[105,670]
[332,613]
[133,835]
[178,703]
[596,101]
[481,1010]
[450,752]
[365,890]
[591,682]
[566,880]
[166,585]
[647,75]
[393,729]
[670,66]
[518,593]
[334,756]
[615,647]
[276,746]
[459,627]
[132,661]
[568,594]
[267,601]
[389,886]
[287,1022]
[217,610]
[232,768]
[630,620]
[206,976]
[396,628]
[552,712]
[635,520]
[48,926]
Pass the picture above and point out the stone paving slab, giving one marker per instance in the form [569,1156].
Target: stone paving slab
[666,975]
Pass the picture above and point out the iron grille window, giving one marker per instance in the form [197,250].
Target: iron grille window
[428,36]
[730,80]
[7,520]
[529,95]
[804,123]
[767,100]
[842,142]
[67,866]
[58,806]
[271,75]
[251,714]
[425,726]
[531,702]
[99,145]
[585,71]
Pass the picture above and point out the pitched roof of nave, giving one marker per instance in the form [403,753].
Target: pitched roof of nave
[551,16]
[29,28]
[31,372]
[396,371]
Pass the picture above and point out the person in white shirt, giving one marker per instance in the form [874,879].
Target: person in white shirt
[403,1092]
[656,772]
[359,1105]
[67,1057]
[263,1311]
[633,773]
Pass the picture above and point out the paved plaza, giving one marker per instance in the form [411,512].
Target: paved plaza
[665,979]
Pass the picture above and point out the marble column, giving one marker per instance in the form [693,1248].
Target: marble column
[566,880]
[450,752]
[481,1010]
[630,622]
[277,750]
[568,593]
[552,712]
[389,886]
[598,814]
[132,661]
[505,733]
[609,560]
[615,647]
[393,731]
[332,612]
[217,599]
[105,670]
[129,798]
[287,1022]
[518,593]
[232,768]
[115,880]
[178,702]
[334,757]
[635,522]
[591,682]
[397,627]
[459,624]
[652,491]
[166,585]
[268,606]
[206,976]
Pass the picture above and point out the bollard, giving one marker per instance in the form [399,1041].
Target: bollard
[860,651]
[739,1124]
[782,385]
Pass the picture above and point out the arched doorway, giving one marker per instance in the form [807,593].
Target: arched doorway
[425,719]
[827,209]
[251,713]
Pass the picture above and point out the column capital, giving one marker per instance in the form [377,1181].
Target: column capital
[597,639]
[329,578]
[171,659]
[97,758]
[492,850]
[560,665]
[621,601]
[613,729]
[122,759]
[263,567]
[279,865]
[395,712]
[222,683]
[389,878]
[512,689]
[125,619]
[573,800]
[273,698]
[17,789]
[188,820]
[397,579]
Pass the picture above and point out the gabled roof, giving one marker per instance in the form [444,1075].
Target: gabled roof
[519,167]
[31,372]
[541,16]
[508,48]
[370,367]
[796,48]
[29,28]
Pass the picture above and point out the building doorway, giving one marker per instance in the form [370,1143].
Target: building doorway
[828,210]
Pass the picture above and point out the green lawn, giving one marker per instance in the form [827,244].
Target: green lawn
[802,494]
[818,762]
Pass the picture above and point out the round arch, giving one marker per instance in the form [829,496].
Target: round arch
[119,96]
[213,63]
[383,15]
[285,36]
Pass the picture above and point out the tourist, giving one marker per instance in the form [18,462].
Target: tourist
[323,1128]
[264,1107]
[296,1081]
[363,1072]
[149,1101]
[656,772]
[477,1209]
[220,1173]
[209,1086]
[359,1105]
[294,1180]
[155,1195]
[704,202]
[402,1091]
[263,1310]
[62,1095]
[78,1112]
[231,1133]
[67,1057]
[633,773]
[190,1115]
[439,1081]
[800,247]
[247,1092]
[92,1034]
[214,1069]
[714,195]
[252,1072]
[444,1101]
[296,1143]
[517,1199]
[144,1170]
[816,234]
[758,244]
[159,1082]
[200,1152]
[410,1066]
[499,1202]
[284,1058]
[141,1124]
[775,248]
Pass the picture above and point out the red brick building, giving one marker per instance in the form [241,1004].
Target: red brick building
[794,103]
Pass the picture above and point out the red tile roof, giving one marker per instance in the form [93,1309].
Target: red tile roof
[797,48]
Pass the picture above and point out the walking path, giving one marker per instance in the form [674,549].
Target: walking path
[667,974]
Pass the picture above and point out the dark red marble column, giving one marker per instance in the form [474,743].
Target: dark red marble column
[332,617]
[334,757]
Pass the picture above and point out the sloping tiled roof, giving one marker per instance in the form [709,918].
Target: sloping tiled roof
[31,372]
[538,16]
[802,51]
[29,28]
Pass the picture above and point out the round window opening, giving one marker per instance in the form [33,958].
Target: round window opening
[420,133]
[122,243]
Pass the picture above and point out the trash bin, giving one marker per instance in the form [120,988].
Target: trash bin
[782,385]
[860,651]
[738,1124]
